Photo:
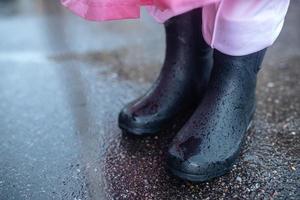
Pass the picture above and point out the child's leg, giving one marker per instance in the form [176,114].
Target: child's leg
[209,143]
[177,88]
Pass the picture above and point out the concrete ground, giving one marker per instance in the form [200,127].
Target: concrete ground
[62,83]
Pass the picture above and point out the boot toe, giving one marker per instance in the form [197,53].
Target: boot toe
[197,168]
[130,123]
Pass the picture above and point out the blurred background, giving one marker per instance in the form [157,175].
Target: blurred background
[63,81]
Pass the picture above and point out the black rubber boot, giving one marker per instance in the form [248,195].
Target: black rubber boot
[209,143]
[177,89]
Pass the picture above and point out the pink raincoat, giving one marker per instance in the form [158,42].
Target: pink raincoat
[234,27]
[102,10]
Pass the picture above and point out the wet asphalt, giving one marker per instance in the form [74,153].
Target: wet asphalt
[63,81]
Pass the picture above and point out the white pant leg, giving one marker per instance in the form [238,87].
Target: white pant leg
[241,27]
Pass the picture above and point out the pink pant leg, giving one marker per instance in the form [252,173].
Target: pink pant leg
[237,27]
[234,27]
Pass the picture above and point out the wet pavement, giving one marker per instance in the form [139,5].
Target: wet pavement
[63,81]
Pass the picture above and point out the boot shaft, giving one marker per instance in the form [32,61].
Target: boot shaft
[186,51]
[184,33]
[236,76]
[242,68]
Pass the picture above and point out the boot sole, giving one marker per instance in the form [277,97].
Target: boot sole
[139,131]
[197,178]
[202,177]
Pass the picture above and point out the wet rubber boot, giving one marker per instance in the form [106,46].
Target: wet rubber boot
[177,89]
[209,143]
